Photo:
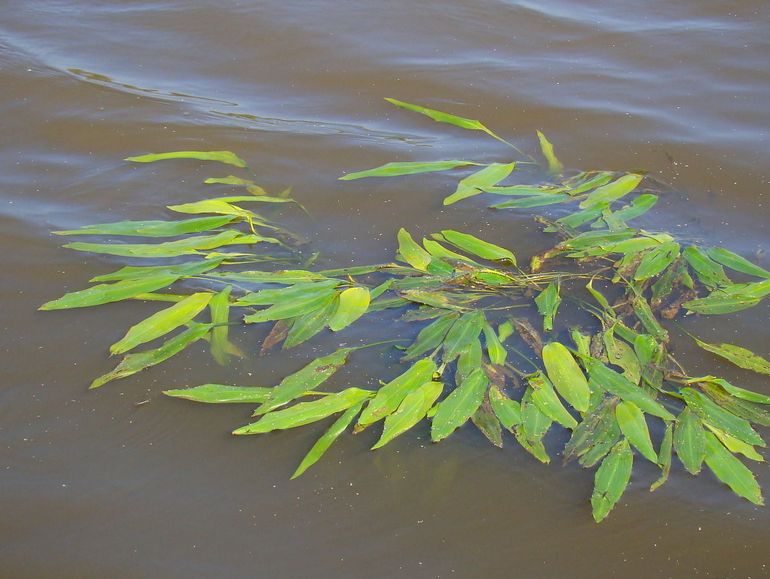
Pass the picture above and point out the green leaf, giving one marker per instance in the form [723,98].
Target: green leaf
[133,363]
[180,270]
[298,291]
[478,247]
[327,439]
[719,417]
[690,441]
[507,411]
[412,253]
[656,260]
[534,426]
[664,456]
[306,412]
[485,420]
[290,308]
[410,168]
[221,156]
[544,396]
[621,387]
[612,191]
[736,446]
[464,331]
[352,304]
[282,277]
[187,246]
[651,324]
[305,380]
[597,432]
[219,306]
[441,252]
[732,471]
[736,262]
[150,228]
[230,180]
[554,165]
[495,349]
[107,293]
[479,181]
[634,427]
[638,207]
[611,480]
[459,406]
[440,117]
[736,391]
[310,324]
[548,302]
[566,375]
[221,394]
[533,201]
[412,409]
[430,337]
[390,396]
[741,357]
[468,361]
[709,272]
[587,180]
[162,322]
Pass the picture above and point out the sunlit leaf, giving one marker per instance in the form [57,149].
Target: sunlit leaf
[722,419]
[222,394]
[554,165]
[548,302]
[611,480]
[566,375]
[739,356]
[634,426]
[736,262]
[351,305]
[544,395]
[459,406]
[612,191]
[732,471]
[408,168]
[479,181]
[107,293]
[478,247]
[226,157]
[412,409]
[151,228]
[411,252]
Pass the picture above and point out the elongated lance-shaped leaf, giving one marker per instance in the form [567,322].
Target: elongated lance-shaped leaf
[162,322]
[389,397]
[327,439]
[651,324]
[297,291]
[664,456]
[548,302]
[750,411]
[656,260]
[459,406]
[133,363]
[464,331]
[225,157]
[495,349]
[230,180]
[468,361]
[736,446]
[735,262]
[188,246]
[602,377]
[411,252]
[107,293]
[151,228]
[439,117]
[735,391]
[407,168]
[478,247]
[638,207]
[690,441]
[566,375]
[554,165]
[219,306]
[437,250]
[306,412]
[307,379]
[717,416]
[598,428]
[290,308]
[612,191]
[477,182]
[534,426]
[544,396]
[218,207]
[611,480]
[586,181]
[507,411]
[739,356]
[308,325]
[533,201]
[634,428]
[412,409]
[709,272]
[430,337]
[727,300]
[181,270]
[486,421]
[732,471]
[281,277]
[221,394]
[351,305]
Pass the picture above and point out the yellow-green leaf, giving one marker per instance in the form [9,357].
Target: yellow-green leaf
[554,165]
[412,409]
[566,375]
[408,168]
[226,157]
[634,427]
[732,471]
[351,305]
[479,181]
[611,480]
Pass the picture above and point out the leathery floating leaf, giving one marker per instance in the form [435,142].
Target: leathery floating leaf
[151,228]
[133,363]
[222,394]
[390,396]
[548,402]
[412,253]
[735,262]
[306,412]
[430,337]
[495,349]
[464,331]
[664,456]
[507,411]
[352,304]
[548,302]
[226,157]
[736,391]
[107,293]
[612,191]
[327,439]
[479,181]
[478,247]
[611,480]
[717,416]
[634,427]
[412,409]
[709,272]
[739,356]
[690,441]
[408,168]
[732,471]
[656,260]
[459,406]
[566,375]
[162,322]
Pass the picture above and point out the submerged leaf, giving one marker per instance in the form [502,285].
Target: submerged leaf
[554,165]
[548,302]
[664,456]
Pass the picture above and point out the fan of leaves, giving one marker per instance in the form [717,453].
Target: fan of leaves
[615,386]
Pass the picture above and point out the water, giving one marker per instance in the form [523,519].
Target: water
[94,486]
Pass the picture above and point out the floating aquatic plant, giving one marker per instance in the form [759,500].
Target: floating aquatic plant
[480,355]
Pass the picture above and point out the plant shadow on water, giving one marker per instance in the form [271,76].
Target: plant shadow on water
[492,348]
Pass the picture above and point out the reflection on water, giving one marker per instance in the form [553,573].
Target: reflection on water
[101,487]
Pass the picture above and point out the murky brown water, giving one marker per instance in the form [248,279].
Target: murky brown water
[94,486]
